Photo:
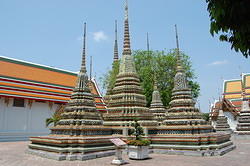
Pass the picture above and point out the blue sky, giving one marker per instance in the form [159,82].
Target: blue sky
[49,32]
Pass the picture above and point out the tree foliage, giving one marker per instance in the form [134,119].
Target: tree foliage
[157,65]
[161,66]
[205,116]
[108,80]
[231,18]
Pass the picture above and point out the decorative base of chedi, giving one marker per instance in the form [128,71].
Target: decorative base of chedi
[71,148]
[192,145]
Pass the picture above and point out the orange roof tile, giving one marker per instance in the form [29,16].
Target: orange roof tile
[34,81]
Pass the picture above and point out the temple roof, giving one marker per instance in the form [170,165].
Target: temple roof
[40,82]
[232,93]
[233,89]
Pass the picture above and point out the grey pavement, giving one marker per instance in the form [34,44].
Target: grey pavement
[13,154]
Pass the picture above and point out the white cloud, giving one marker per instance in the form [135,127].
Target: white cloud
[99,36]
[218,63]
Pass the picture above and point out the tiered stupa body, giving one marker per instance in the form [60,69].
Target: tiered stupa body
[184,131]
[221,123]
[156,106]
[81,128]
[127,100]
[243,126]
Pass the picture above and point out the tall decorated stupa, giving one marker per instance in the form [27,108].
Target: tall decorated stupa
[243,126]
[127,101]
[80,129]
[182,112]
[184,131]
[156,106]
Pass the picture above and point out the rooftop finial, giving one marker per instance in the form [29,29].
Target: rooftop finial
[116,56]
[83,66]
[126,42]
[179,65]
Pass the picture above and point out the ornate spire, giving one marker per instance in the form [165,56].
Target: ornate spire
[90,68]
[127,64]
[82,78]
[116,56]
[83,66]
[126,42]
[180,80]
[179,67]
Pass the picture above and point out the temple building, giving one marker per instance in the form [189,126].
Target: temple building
[156,106]
[127,101]
[232,100]
[28,97]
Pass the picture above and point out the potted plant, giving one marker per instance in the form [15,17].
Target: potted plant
[138,148]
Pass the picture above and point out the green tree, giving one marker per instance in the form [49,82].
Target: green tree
[231,18]
[205,116]
[108,80]
[161,66]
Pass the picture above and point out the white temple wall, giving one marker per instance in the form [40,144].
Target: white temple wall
[1,114]
[231,121]
[19,123]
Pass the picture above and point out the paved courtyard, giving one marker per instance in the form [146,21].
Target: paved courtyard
[12,154]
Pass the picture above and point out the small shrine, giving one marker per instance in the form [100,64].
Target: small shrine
[156,106]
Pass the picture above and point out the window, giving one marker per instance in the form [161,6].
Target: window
[18,102]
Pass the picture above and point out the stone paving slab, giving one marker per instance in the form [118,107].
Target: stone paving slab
[13,154]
